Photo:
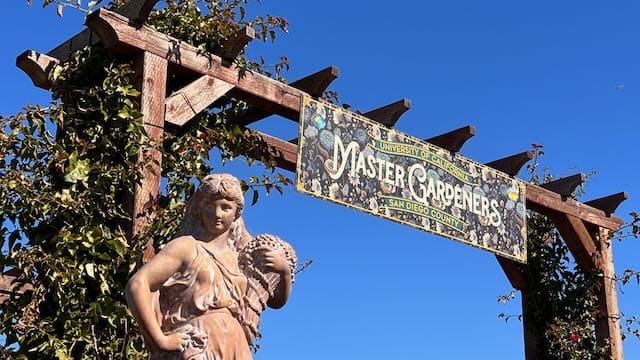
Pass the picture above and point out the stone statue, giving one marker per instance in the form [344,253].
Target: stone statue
[201,296]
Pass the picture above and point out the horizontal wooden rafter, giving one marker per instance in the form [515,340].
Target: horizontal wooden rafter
[314,85]
[565,186]
[135,10]
[610,203]
[549,203]
[233,46]
[511,165]
[37,66]
[453,140]
[388,115]
[116,33]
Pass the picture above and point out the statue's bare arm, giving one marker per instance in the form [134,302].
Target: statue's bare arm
[275,261]
[149,278]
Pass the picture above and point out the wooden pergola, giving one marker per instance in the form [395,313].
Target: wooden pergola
[584,226]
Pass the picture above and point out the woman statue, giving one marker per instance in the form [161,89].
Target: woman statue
[192,300]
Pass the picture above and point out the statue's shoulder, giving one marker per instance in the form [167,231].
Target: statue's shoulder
[183,246]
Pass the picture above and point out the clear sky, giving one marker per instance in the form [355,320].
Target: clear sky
[564,74]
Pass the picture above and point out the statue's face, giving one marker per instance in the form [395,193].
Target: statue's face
[218,215]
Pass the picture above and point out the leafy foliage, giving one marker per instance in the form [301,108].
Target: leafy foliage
[561,299]
[66,176]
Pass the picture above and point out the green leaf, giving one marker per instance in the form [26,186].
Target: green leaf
[78,170]
[91,271]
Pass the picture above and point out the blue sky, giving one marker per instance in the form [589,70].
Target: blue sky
[562,74]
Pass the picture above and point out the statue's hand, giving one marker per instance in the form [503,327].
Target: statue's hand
[173,342]
[275,261]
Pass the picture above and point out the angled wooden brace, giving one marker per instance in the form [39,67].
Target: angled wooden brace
[514,272]
[37,66]
[314,85]
[565,186]
[388,115]
[189,101]
[511,165]
[136,10]
[578,239]
[610,203]
[8,287]
[453,140]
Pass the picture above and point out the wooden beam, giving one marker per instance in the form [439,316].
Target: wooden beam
[189,101]
[548,203]
[152,72]
[233,46]
[77,42]
[610,203]
[511,165]
[565,186]
[136,10]
[37,66]
[388,115]
[314,85]
[270,95]
[578,239]
[532,335]
[514,273]
[608,321]
[284,153]
[453,140]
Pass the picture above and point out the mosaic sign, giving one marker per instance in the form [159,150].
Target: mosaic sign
[348,159]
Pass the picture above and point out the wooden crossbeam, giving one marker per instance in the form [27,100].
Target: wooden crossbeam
[233,46]
[453,140]
[37,66]
[578,239]
[610,203]
[314,85]
[547,202]
[511,165]
[189,101]
[565,186]
[388,115]
[513,271]
[116,33]
[136,10]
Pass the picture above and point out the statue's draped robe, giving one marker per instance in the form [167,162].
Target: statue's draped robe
[205,300]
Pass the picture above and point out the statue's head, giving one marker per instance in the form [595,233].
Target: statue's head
[213,187]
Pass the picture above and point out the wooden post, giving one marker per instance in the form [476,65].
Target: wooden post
[152,82]
[531,333]
[608,322]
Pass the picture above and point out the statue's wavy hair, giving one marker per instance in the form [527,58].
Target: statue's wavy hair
[213,187]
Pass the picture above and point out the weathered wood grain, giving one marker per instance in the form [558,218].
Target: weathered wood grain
[135,10]
[389,115]
[267,94]
[37,66]
[152,72]
[608,321]
[548,203]
[314,85]
[189,101]
[453,140]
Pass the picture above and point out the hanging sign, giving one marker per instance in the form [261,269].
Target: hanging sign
[348,159]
